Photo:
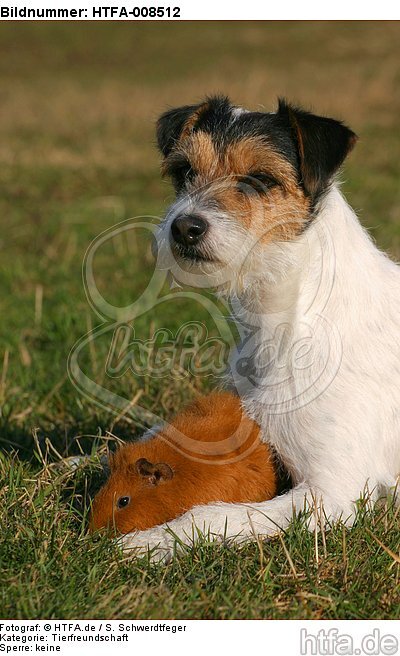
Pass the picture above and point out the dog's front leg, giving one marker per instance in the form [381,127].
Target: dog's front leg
[221,521]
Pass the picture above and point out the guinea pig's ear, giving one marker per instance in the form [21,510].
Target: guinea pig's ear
[154,473]
[111,461]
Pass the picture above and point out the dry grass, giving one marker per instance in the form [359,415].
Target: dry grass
[77,112]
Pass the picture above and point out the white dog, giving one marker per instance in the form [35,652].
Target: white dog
[259,217]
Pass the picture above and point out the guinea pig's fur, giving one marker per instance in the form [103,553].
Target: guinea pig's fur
[210,452]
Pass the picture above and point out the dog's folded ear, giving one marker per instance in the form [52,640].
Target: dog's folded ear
[322,143]
[170,126]
[154,473]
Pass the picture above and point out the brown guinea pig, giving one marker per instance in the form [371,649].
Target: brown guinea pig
[210,452]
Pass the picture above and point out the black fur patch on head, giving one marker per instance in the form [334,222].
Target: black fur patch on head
[269,127]
[315,146]
[214,117]
[217,116]
[322,144]
[170,125]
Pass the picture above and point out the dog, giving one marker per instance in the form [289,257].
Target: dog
[210,452]
[259,217]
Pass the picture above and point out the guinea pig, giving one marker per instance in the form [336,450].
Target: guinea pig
[210,452]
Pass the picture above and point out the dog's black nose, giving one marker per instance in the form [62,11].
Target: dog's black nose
[188,229]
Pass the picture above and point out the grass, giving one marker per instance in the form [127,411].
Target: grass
[77,112]
[56,570]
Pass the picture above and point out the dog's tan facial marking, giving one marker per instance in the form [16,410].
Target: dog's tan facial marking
[199,152]
[277,210]
[254,154]
[276,215]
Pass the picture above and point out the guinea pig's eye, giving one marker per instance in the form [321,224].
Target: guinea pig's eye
[123,502]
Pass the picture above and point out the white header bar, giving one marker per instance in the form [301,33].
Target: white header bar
[142,10]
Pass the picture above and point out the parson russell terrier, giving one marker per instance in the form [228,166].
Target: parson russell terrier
[259,218]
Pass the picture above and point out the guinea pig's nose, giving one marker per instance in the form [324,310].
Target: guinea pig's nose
[187,230]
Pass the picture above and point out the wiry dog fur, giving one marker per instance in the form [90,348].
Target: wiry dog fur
[317,305]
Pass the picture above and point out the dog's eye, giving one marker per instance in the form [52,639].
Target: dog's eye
[264,178]
[123,502]
[182,174]
[258,180]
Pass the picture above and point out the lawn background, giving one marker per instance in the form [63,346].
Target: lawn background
[78,103]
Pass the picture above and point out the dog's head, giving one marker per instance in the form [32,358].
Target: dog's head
[243,180]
